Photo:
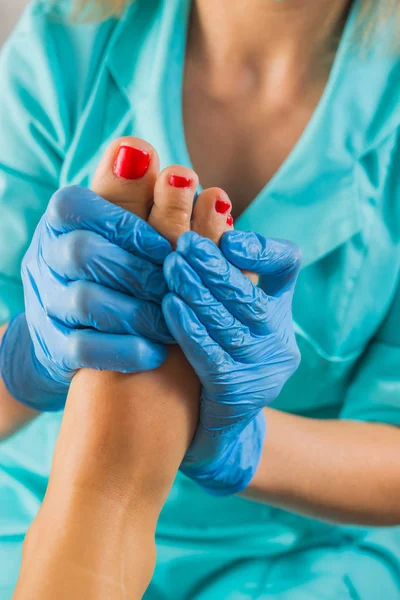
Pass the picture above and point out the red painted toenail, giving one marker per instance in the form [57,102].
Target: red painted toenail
[222,206]
[131,163]
[229,221]
[179,182]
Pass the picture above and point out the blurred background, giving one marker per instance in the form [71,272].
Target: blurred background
[10,11]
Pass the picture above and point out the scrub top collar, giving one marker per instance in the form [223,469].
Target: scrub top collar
[316,187]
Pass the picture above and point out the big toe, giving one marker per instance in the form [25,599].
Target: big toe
[126,175]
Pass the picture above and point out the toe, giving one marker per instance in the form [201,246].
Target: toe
[212,214]
[127,174]
[212,217]
[173,202]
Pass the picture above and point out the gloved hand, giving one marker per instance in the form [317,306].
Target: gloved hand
[240,341]
[93,285]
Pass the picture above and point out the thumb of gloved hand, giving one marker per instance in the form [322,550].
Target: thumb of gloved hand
[276,261]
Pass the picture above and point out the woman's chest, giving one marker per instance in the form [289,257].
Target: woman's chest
[239,143]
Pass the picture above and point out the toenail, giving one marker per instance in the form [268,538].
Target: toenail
[222,206]
[229,221]
[131,163]
[179,182]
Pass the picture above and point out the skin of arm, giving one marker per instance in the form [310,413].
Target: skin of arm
[13,414]
[340,471]
[121,442]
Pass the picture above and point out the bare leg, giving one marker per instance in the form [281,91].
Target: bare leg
[123,437]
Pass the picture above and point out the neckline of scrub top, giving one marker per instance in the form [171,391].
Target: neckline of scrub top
[176,81]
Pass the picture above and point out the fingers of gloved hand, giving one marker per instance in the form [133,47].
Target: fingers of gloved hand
[60,349]
[76,207]
[87,304]
[203,353]
[221,325]
[234,290]
[84,255]
[278,261]
[89,349]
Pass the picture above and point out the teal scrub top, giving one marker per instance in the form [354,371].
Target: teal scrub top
[66,91]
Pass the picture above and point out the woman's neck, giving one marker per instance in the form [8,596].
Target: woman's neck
[261,44]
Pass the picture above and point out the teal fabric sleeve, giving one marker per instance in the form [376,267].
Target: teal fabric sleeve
[46,69]
[374,392]
[32,139]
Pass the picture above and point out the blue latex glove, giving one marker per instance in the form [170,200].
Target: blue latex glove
[239,340]
[93,285]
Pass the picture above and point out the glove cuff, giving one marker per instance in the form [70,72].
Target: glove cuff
[234,467]
[23,375]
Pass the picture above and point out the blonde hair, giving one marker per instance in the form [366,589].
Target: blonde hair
[99,9]
[374,14]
